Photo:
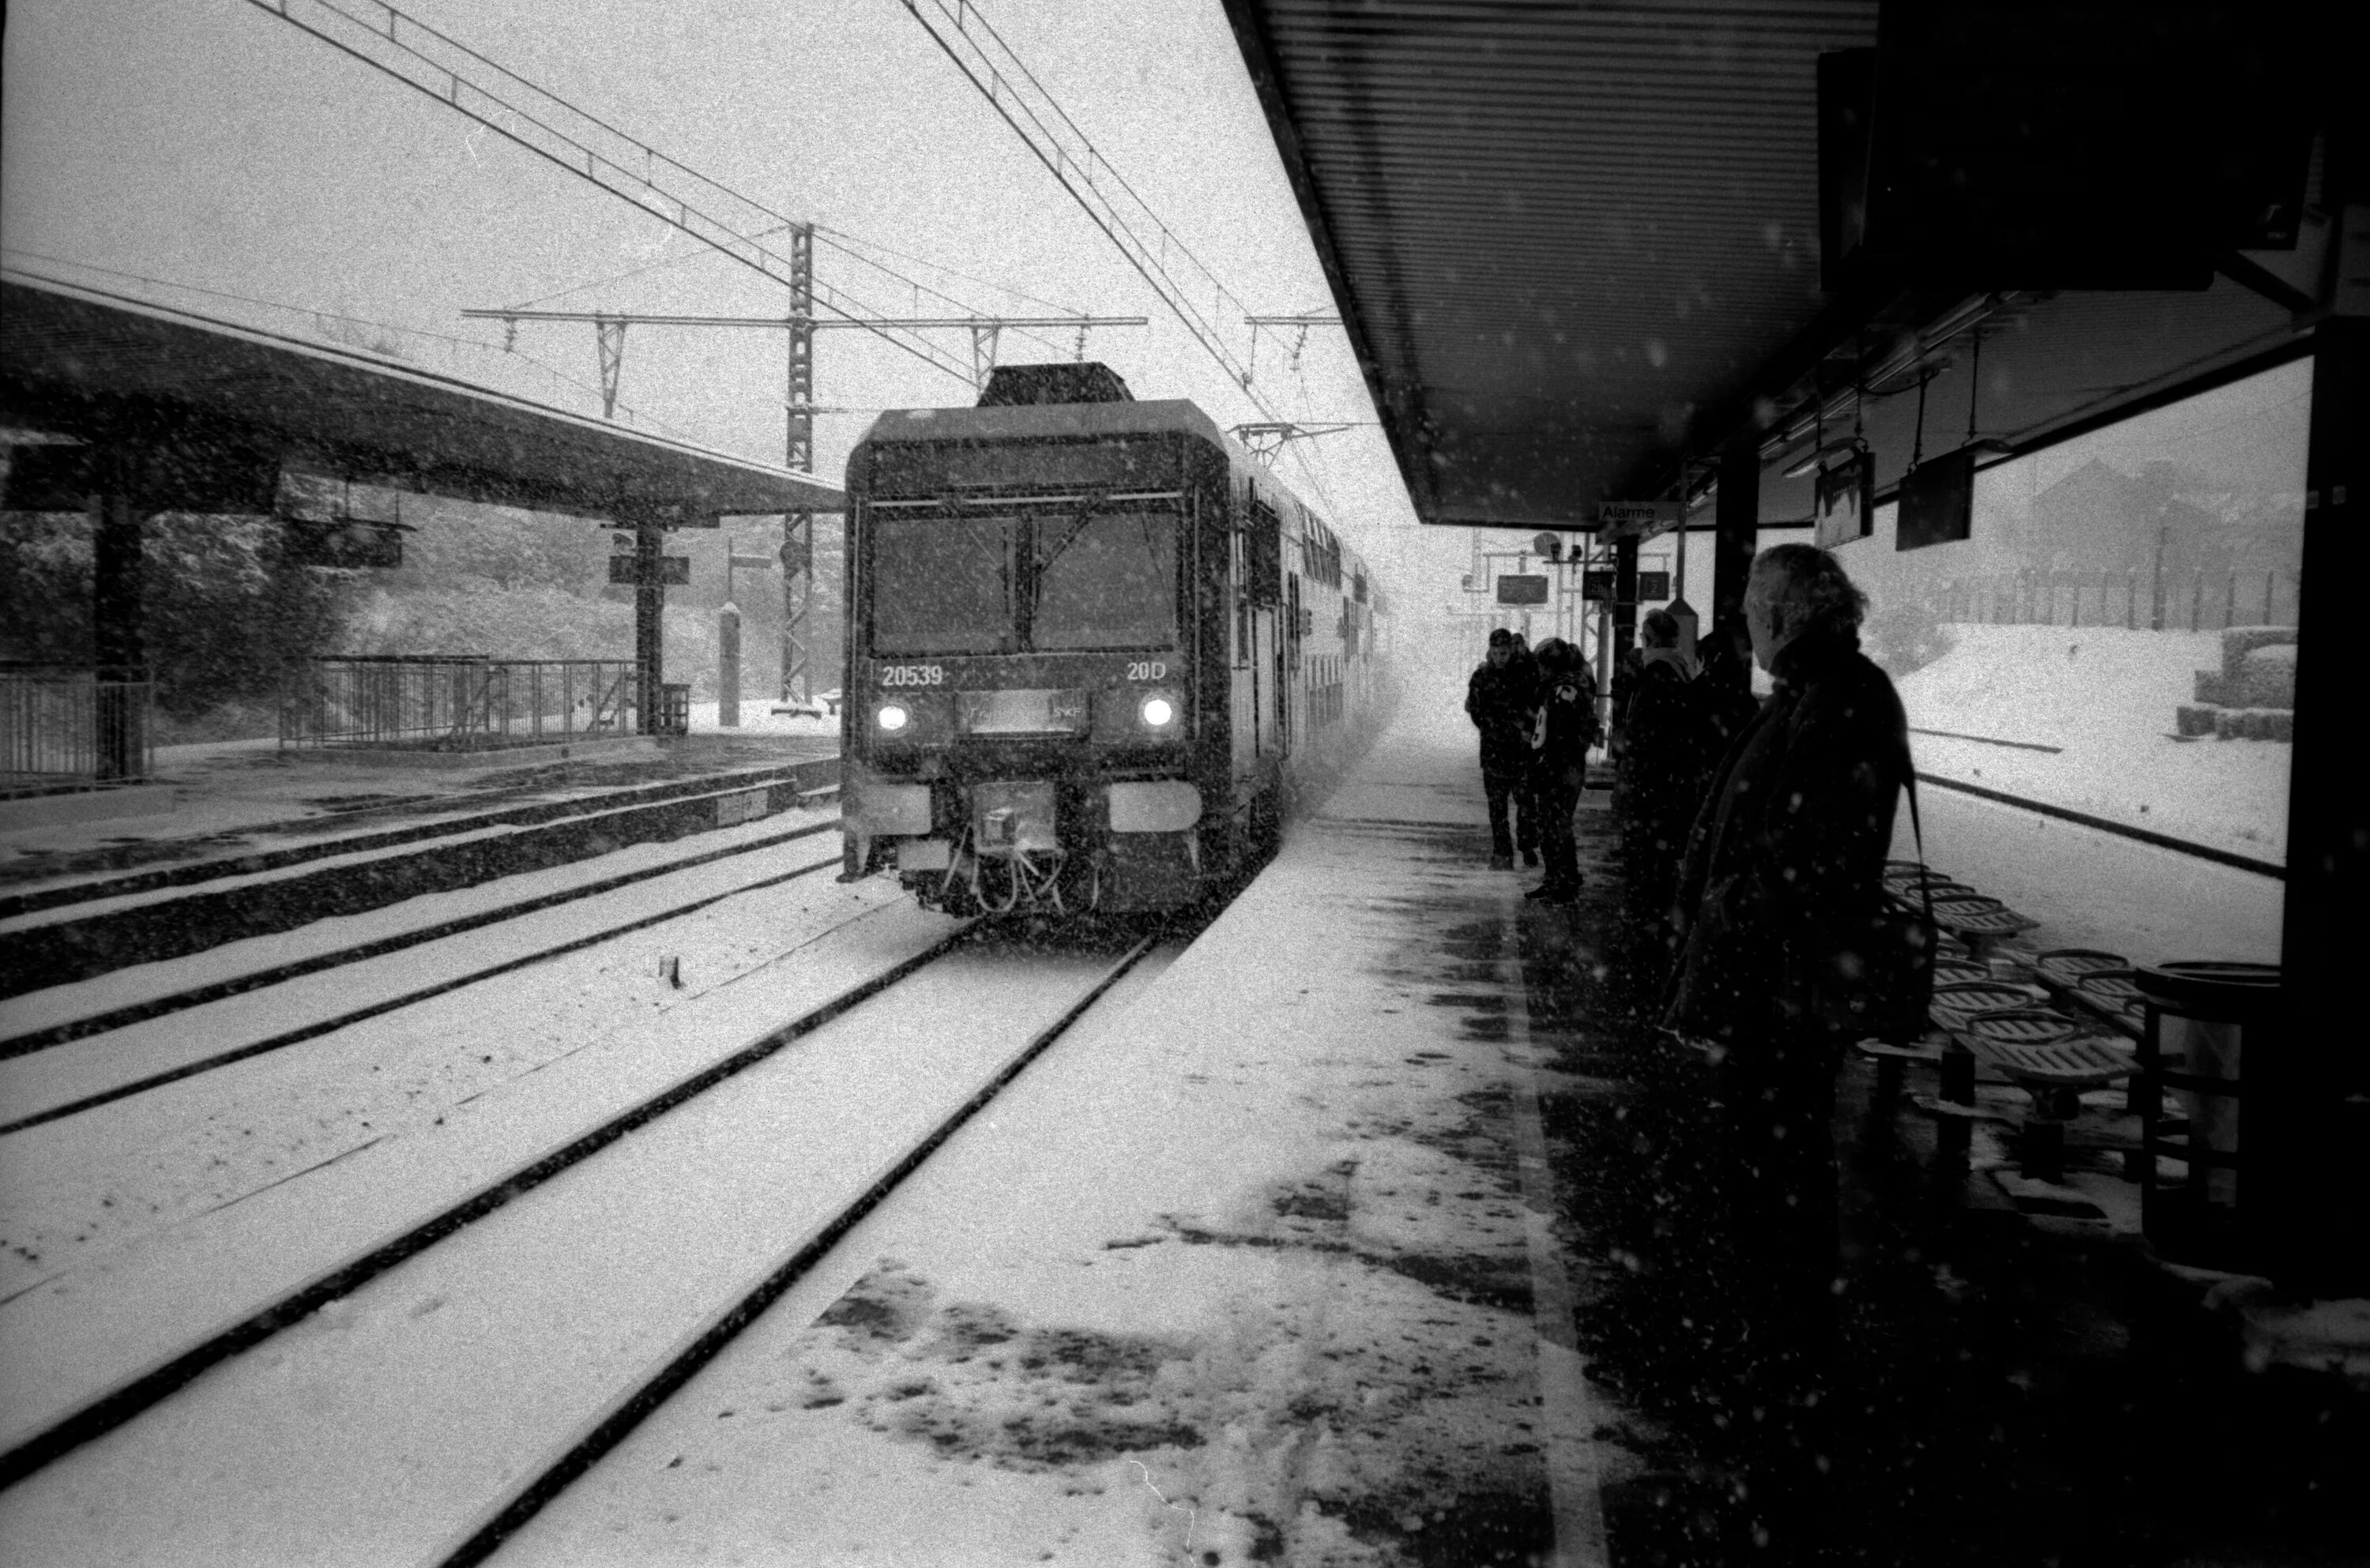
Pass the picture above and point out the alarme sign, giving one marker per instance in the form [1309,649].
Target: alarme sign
[1635,519]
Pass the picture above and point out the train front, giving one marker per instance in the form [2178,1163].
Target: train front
[1020,732]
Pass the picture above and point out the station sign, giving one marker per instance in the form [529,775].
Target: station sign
[1635,519]
[673,571]
[1522,590]
[1653,586]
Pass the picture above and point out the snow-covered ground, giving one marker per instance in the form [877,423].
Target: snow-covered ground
[395,1417]
[1244,1270]
[2107,697]
[138,1226]
[1238,1274]
[759,718]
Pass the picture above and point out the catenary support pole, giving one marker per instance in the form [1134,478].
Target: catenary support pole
[118,636]
[650,620]
[798,528]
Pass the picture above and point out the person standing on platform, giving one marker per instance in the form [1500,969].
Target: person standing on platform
[1660,768]
[1499,698]
[1785,861]
[1566,729]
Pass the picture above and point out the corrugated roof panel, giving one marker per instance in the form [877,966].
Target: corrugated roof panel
[1560,229]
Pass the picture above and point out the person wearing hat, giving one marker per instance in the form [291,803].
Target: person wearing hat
[1499,698]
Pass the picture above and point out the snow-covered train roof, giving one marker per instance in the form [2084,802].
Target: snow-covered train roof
[1018,420]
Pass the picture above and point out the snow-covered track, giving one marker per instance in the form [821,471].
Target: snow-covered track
[631,1405]
[147,1008]
[107,1410]
[315,1028]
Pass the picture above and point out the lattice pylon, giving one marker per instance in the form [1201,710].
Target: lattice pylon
[798,528]
[611,336]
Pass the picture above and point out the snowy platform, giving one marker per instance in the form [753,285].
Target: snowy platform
[1260,1264]
[232,798]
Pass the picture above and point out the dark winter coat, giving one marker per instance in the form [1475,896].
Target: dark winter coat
[1566,728]
[1662,760]
[1501,702]
[1787,854]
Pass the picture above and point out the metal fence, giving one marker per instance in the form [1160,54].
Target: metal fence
[61,725]
[2134,600]
[444,702]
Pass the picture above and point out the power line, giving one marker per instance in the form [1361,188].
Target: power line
[1070,155]
[443,68]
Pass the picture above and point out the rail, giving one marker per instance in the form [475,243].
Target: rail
[457,702]
[63,724]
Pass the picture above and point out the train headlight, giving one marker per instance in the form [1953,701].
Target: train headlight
[891,717]
[1157,712]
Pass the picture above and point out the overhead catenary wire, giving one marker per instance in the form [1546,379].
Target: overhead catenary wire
[660,185]
[992,67]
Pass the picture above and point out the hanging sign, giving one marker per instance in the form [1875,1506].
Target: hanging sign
[1653,586]
[1635,519]
[1936,503]
[1845,501]
[1515,589]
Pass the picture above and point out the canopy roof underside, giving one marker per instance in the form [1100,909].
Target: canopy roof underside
[102,369]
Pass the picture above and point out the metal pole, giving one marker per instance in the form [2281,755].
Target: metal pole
[798,528]
[650,616]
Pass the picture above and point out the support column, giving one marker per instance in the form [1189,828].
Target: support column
[798,528]
[728,667]
[1736,524]
[1624,632]
[119,639]
[649,621]
[2305,1123]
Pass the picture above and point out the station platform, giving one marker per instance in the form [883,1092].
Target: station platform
[1375,1231]
[251,840]
[1372,1227]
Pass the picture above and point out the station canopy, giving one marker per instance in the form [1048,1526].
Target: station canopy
[1576,246]
[214,415]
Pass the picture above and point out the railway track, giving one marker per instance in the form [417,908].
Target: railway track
[111,1032]
[1014,1011]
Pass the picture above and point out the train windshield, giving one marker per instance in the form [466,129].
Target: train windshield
[1058,580]
[943,584]
[1106,581]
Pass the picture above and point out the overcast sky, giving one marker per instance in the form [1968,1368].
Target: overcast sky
[207,142]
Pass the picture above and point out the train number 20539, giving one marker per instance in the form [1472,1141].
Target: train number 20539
[912,675]
[1147,670]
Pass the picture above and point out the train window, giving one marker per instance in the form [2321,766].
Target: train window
[1105,581]
[1264,582]
[942,586]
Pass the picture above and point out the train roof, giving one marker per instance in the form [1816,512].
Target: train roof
[1008,421]
[1020,420]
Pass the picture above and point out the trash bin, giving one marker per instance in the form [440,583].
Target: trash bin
[2199,1016]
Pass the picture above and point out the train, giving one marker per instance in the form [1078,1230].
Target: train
[1095,650]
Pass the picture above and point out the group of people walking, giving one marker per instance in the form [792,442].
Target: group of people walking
[1536,712]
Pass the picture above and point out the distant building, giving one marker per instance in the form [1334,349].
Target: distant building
[2100,519]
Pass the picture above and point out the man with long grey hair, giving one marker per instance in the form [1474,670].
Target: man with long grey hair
[1783,876]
